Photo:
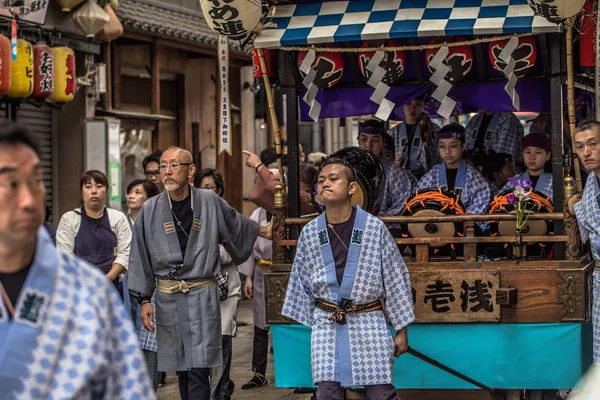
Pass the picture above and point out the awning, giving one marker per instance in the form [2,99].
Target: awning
[344,21]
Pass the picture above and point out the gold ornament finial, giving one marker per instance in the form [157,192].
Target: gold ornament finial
[279,195]
[570,188]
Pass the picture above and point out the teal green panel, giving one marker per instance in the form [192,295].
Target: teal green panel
[503,356]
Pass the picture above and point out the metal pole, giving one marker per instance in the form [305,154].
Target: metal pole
[571,100]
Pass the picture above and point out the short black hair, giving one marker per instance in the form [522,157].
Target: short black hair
[307,173]
[97,176]
[268,156]
[152,157]
[388,143]
[14,134]
[375,127]
[350,172]
[210,172]
[149,187]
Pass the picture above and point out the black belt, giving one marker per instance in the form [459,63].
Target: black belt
[344,307]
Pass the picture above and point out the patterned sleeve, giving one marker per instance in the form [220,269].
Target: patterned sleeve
[509,136]
[396,281]
[481,194]
[398,188]
[585,226]
[427,181]
[128,377]
[299,301]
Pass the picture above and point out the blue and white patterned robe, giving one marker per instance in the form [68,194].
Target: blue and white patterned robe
[399,186]
[417,156]
[543,185]
[587,211]
[475,195]
[506,134]
[71,336]
[361,351]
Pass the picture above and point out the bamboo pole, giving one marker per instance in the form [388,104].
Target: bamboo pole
[571,100]
[272,113]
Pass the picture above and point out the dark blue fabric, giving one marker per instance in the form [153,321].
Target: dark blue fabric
[96,244]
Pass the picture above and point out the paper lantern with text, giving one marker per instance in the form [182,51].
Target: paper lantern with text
[329,68]
[43,71]
[64,75]
[525,55]
[270,59]
[5,64]
[459,59]
[393,62]
[234,18]
[556,10]
[587,41]
[21,84]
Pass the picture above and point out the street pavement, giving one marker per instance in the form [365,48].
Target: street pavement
[241,368]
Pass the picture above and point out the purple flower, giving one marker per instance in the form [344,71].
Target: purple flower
[511,198]
[513,181]
[527,183]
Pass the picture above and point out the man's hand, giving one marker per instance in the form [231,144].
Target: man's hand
[572,201]
[248,287]
[147,316]
[266,231]
[252,161]
[400,342]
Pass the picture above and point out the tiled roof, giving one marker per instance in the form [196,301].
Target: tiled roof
[168,20]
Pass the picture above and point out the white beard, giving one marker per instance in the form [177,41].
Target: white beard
[171,185]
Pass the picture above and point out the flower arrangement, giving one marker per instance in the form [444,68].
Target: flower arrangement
[520,198]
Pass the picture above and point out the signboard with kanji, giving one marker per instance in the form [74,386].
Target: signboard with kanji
[461,296]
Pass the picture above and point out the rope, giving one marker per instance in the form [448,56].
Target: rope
[436,196]
[339,312]
[499,203]
[401,48]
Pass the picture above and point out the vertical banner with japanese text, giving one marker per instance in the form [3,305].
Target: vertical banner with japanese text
[224,109]
[597,69]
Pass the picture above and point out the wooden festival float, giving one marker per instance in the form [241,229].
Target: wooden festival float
[517,325]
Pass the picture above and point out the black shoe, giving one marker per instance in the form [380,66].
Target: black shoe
[258,380]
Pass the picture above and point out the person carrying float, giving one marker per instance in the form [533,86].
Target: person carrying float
[346,270]
[455,175]
[536,153]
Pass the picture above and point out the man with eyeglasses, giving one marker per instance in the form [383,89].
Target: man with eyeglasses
[63,329]
[151,170]
[175,251]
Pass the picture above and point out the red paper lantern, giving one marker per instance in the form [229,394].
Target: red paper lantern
[525,55]
[393,61]
[5,64]
[43,71]
[587,41]
[459,59]
[329,67]
[270,60]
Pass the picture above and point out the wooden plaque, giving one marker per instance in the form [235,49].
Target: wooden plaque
[460,296]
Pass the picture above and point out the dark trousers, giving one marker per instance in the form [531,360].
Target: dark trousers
[260,349]
[194,384]
[219,376]
[335,391]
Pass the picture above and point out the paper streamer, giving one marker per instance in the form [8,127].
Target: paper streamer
[443,86]
[381,89]
[509,71]
[310,97]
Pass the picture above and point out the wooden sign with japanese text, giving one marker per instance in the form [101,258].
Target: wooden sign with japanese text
[455,296]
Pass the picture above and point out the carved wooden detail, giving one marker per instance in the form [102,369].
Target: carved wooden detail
[275,288]
[573,244]
[279,234]
[572,295]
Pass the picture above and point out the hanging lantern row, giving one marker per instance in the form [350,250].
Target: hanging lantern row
[39,71]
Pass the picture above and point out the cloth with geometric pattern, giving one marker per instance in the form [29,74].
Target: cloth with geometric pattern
[587,211]
[70,336]
[346,21]
[505,133]
[363,346]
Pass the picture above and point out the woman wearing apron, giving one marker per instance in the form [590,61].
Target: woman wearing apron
[99,235]
[138,191]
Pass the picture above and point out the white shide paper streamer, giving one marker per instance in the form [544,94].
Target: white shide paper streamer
[309,83]
[381,89]
[509,71]
[443,86]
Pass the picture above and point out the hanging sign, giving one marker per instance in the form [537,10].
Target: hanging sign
[233,18]
[556,10]
[459,60]
[525,55]
[393,62]
[34,11]
[225,109]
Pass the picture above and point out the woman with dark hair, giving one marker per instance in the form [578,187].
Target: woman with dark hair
[138,191]
[221,387]
[99,235]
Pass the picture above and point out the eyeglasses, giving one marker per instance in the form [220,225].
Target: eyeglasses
[10,189]
[174,166]
[150,174]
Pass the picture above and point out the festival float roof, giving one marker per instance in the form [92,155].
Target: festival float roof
[343,21]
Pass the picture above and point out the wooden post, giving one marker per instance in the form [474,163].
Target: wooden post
[573,246]
[470,249]
[155,78]
[107,98]
[571,99]
[115,81]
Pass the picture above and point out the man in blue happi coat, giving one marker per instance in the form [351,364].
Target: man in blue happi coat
[64,333]
[587,209]
[347,268]
[455,175]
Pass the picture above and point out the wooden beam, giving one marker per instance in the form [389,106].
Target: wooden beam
[116,76]
[155,78]
[107,100]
